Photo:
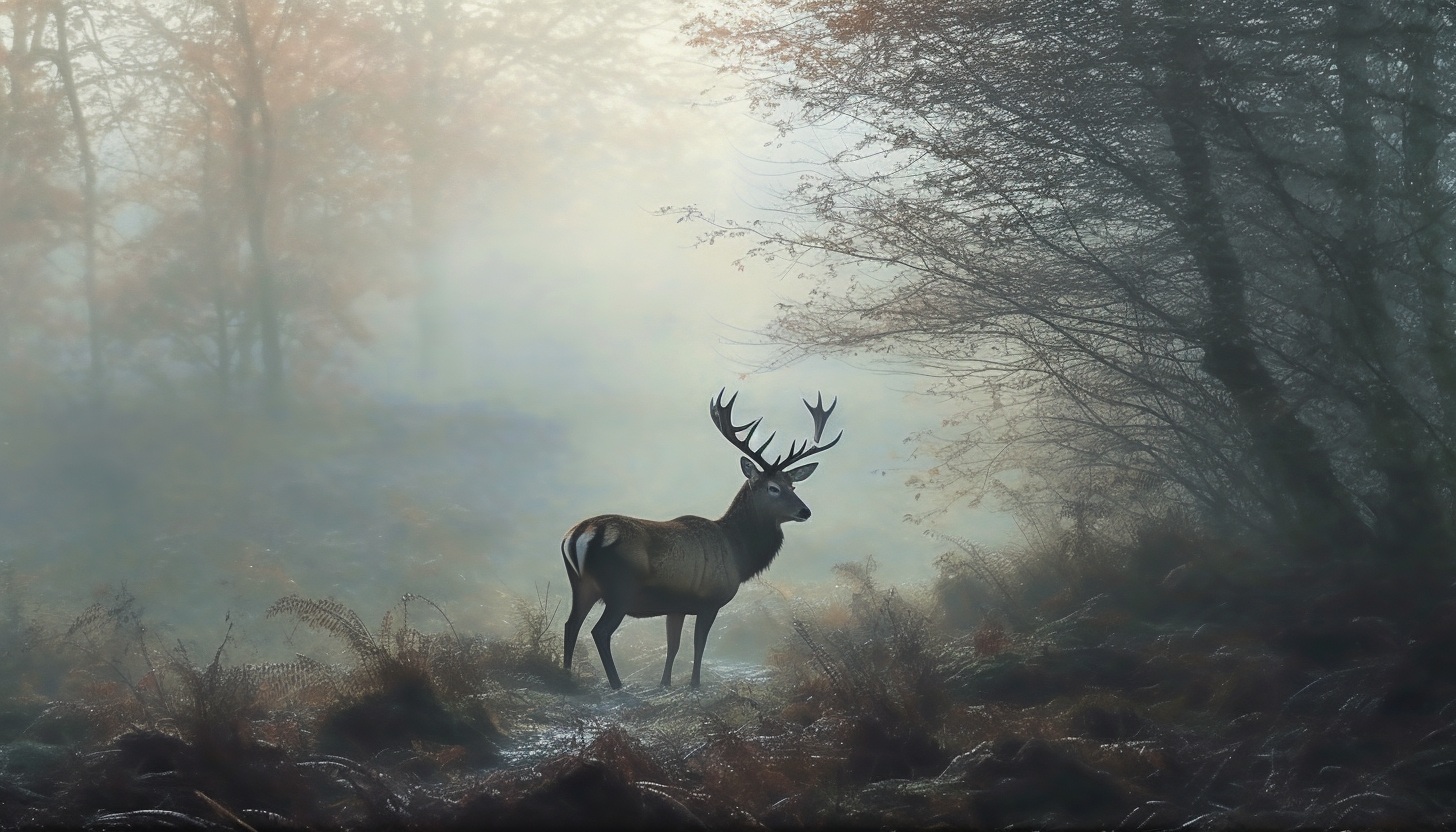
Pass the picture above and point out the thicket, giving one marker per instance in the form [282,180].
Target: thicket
[1153,684]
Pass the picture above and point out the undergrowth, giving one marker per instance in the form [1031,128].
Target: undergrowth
[137,725]
[1169,682]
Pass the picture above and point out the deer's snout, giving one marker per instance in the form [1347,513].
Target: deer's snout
[803,514]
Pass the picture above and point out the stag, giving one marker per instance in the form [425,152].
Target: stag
[690,565]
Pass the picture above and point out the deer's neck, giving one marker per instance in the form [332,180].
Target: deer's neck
[755,536]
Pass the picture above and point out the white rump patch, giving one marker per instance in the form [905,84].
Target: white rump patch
[581,543]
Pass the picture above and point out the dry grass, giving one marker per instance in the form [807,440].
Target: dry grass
[1112,702]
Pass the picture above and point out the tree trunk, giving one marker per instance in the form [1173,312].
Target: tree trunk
[1409,521]
[212,264]
[1428,201]
[1323,518]
[96,376]
[255,140]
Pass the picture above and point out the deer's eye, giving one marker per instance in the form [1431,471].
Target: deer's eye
[774,490]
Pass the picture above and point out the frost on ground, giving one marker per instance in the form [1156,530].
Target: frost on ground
[546,725]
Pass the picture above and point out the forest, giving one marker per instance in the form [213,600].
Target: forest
[281,282]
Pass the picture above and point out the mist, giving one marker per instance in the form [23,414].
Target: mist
[328,327]
[581,325]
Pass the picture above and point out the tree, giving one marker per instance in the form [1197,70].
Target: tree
[81,130]
[252,101]
[1200,247]
[55,201]
[242,172]
[33,205]
[467,84]
[345,143]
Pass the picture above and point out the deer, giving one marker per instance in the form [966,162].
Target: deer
[689,565]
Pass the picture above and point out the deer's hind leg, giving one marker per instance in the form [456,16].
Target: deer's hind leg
[584,595]
[674,638]
[602,634]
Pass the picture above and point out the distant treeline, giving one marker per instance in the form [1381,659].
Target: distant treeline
[198,192]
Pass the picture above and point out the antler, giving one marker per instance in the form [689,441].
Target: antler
[722,415]
[821,418]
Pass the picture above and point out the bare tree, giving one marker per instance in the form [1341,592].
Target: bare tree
[81,131]
[33,203]
[1198,246]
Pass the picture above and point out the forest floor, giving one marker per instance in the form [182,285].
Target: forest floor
[1149,705]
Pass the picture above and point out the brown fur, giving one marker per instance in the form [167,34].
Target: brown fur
[685,566]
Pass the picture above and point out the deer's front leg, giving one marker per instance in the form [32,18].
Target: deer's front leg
[701,626]
[674,638]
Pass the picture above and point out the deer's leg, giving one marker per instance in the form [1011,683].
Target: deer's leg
[602,635]
[701,626]
[674,638]
[582,600]
[579,609]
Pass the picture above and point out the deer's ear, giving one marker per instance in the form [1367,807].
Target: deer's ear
[801,473]
[749,469]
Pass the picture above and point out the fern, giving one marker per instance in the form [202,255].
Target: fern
[989,567]
[452,665]
[337,620]
[827,665]
[302,678]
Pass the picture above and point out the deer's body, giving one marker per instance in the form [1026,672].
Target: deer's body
[683,565]
[686,566]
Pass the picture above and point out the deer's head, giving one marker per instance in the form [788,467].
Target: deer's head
[771,484]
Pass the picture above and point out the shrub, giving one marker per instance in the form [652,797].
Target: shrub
[881,672]
[407,687]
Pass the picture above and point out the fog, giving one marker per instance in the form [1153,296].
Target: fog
[574,300]
[584,325]
[322,321]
